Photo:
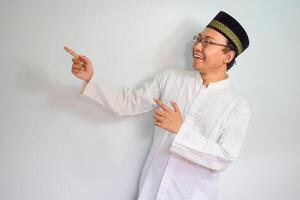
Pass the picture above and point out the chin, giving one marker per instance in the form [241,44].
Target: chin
[198,66]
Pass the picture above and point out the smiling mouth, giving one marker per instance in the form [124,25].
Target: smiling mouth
[199,57]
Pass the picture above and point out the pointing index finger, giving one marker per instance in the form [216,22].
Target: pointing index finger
[162,105]
[71,52]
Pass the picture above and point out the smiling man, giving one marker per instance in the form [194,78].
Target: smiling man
[201,120]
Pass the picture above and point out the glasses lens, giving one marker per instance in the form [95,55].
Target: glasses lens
[196,39]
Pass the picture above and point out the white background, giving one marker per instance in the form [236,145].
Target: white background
[56,145]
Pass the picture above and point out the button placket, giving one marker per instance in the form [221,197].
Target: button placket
[166,179]
[198,100]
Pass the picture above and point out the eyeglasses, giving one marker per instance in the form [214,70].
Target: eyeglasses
[206,42]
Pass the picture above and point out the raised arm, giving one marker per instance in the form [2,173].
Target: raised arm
[121,101]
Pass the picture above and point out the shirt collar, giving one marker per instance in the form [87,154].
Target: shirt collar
[215,85]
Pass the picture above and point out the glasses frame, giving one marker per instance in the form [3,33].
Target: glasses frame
[198,39]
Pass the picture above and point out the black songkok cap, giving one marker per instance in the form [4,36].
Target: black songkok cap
[231,29]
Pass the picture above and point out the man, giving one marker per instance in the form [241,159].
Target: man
[201,121]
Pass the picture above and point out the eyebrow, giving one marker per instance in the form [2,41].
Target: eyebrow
[207,36]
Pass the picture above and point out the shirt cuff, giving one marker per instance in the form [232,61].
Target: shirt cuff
[86,86]
[188,138]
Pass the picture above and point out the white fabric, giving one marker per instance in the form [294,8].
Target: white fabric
[185,165]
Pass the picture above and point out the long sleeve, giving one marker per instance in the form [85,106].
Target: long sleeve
[123,101]
[190,144]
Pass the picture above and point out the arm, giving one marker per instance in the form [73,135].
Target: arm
[215,155]
[123,101]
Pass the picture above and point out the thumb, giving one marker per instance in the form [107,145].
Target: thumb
[86,60]
[81,58]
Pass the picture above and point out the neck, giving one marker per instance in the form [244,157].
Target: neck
[212,77]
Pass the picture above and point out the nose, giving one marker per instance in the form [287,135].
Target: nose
[198,46]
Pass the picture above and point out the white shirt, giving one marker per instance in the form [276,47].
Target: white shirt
[185,165]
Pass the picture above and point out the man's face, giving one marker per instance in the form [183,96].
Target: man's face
[208,57]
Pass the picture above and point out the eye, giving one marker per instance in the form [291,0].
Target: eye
[206,42]
[209,42]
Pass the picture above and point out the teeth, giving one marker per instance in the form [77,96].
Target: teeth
[198,56]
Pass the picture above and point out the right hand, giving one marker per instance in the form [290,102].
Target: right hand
[82,66]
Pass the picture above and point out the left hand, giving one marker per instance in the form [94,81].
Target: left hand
[168,119]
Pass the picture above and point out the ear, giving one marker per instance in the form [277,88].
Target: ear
[229,56]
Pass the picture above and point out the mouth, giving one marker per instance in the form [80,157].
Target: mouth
[198,56]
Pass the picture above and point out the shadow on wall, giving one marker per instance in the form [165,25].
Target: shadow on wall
[35,81]
[57,98]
